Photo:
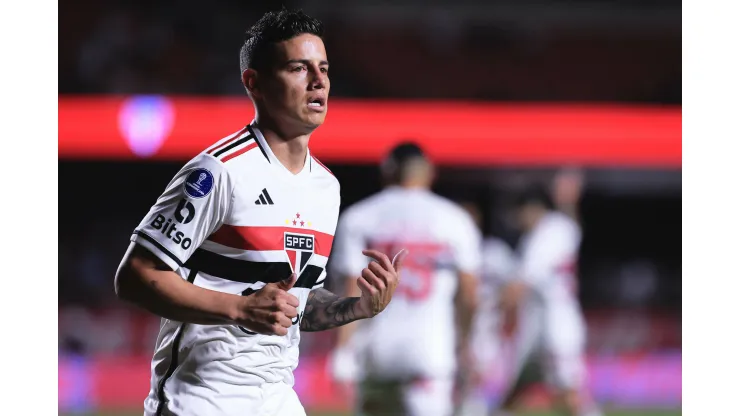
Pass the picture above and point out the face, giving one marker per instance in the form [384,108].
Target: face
[295,91]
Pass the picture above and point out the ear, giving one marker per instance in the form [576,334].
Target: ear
[249,80]
[433,173]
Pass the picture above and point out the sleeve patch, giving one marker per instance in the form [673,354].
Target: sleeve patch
[199,183]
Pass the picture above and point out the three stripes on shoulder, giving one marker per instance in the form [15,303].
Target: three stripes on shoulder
[236,145]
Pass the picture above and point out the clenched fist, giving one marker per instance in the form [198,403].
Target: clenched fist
[378,281]
[270,310]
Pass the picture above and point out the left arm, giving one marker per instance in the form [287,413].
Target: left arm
[466,250]
[325,310]
[466,304]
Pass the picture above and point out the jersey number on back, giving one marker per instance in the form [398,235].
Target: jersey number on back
[417,274]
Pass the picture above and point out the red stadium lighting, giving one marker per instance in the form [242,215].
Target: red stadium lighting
[361,131]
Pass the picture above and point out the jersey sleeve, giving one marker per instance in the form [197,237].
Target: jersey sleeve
[192,207]
[466,246]
[347,259]
[548,250]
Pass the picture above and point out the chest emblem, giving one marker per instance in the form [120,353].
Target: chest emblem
[298,246]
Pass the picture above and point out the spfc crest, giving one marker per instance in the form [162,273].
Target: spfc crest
[299,248]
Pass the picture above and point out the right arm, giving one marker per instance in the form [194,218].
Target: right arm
[146,281]
[192,207]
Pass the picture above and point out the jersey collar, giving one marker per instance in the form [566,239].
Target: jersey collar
[270,156]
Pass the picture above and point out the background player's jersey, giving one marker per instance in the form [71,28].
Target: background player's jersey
[548,259]
[498,264]
[415,334]
[551,324]
[233,219]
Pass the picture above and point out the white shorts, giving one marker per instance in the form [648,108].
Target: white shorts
[423,397]
[269,399]
[556,338]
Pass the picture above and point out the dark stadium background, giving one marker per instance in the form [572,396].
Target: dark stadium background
[586,52]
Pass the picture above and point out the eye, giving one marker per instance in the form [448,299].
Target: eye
[324,70]
[297,68]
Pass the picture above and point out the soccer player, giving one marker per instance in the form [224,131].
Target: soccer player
[542,292]
[406,357]
[491,330]
[232,254]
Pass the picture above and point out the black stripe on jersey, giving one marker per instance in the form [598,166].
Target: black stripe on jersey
[233,145]
[309,276]
[262,149]
[318,283]
[250,271]
[174,356]
[156,243]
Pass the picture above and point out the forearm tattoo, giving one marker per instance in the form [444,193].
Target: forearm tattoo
[325,310]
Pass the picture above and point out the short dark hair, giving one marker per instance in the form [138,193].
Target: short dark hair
[395,164]
[274,27]
[534,195]
[403,152]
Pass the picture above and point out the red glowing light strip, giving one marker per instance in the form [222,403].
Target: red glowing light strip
[361,131]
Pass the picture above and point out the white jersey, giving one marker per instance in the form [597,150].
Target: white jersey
[415,334]
[548,258]
[497,267]
[498,264]
[233,219]
[550,321]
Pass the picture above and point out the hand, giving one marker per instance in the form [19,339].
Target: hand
[378,281]
[270,310]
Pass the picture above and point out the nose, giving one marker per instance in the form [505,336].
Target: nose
[318,80]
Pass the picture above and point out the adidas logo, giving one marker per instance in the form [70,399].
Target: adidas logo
[264,198]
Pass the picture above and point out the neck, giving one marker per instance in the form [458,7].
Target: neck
[413,184]
[289,148]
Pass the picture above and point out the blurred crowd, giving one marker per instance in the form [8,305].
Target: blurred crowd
[584,50]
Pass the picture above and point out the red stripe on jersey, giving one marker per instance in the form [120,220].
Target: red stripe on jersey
[239,152]
[569,267]
[231,139]
[267,238]
[322,165]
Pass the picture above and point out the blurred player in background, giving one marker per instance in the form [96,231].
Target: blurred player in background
[406,360]
[543,293]
[232,254]
[566,190]
[492,330]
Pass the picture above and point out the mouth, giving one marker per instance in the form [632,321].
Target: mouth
[317,104]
